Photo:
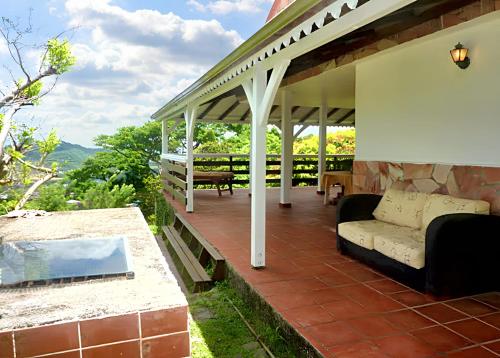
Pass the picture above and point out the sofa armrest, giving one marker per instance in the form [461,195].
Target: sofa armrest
[462,253]
[357,207]
[353,208]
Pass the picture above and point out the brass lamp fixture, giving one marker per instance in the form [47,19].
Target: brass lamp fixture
[459,56]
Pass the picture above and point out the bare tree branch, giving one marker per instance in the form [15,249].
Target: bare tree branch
[17,92]
[6,126]
[33,189]
[35,167]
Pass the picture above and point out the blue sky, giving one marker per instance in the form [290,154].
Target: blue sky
[133,56]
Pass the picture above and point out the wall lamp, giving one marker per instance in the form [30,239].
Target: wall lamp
[459,56]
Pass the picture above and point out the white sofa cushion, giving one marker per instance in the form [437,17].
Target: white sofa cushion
[401,208]
[406,246]
[439,204]
[362,233]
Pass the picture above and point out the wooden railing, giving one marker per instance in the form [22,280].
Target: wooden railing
[173,174]
[305,167]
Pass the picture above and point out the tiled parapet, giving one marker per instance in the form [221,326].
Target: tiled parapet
[471,182]
[159,333]
[113,317]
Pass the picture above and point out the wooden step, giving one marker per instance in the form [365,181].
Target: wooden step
[193,274]
[205,252]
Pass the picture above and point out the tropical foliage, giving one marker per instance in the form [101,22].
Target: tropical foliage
[17,139]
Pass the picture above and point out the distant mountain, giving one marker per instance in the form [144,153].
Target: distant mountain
[69,156]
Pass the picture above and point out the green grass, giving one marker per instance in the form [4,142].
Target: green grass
[225,333]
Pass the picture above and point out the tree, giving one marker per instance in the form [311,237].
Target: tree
[51,197]
[17,139]
[103,197]
[339,142]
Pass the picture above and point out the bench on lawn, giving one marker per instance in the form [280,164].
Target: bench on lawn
[216,178]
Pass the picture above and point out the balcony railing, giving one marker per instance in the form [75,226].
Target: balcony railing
[305,170]
[305,167]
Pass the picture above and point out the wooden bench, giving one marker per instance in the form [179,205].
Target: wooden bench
[216,178]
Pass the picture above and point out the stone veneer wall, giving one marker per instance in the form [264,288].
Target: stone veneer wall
[471,182]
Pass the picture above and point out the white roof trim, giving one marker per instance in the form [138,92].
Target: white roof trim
[305,27]
[370,11]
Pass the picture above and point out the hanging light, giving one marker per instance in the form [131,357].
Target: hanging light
[459,56]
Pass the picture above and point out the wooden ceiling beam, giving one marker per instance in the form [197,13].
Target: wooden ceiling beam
[229,110]
[332,112]
[273,109]
[410,16]
[209,108]
[345,116]
[245,115]
[309,114]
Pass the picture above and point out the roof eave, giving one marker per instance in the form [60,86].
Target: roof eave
[292,12]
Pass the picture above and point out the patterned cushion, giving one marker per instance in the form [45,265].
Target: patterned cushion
[362,233]
[439,204]
[401,208]
[403,246]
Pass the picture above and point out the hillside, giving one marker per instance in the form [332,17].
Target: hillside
[70,156]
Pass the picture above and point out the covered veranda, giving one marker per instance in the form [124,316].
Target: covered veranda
[422,124]
[339,306]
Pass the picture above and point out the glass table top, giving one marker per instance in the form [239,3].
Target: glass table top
[44,262]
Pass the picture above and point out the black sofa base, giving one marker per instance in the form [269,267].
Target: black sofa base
[461,251]
[402,273]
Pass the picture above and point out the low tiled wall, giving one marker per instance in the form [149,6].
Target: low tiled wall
[158,333]
[471,182]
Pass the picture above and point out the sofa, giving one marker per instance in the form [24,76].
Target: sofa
[434,243]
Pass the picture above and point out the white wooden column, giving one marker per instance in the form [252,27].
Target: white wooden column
[250,158]
[260,93]
[323,114]
[286,149]
[164,137]
[190,117]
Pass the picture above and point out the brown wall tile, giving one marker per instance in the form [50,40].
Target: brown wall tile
[155,323]
[6,346]
[122,350]
[171,346]
[110,329]
[46,339]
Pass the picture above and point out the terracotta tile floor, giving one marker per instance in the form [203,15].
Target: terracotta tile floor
[342,307]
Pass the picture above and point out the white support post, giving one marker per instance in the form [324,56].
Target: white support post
[164,137]
[190,117]
[260,94]
[286,149]
[323,114]
[250,160]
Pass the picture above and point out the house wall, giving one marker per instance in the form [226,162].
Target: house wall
[425,125]
[414,105]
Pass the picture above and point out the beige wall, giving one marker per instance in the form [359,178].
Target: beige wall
[414,105]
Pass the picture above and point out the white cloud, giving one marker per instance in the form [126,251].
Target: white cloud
[129,63]
[224,7]
[198,6]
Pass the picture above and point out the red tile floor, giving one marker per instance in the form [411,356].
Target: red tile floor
[342,307]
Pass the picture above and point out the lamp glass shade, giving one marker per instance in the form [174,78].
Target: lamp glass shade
[459,53]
